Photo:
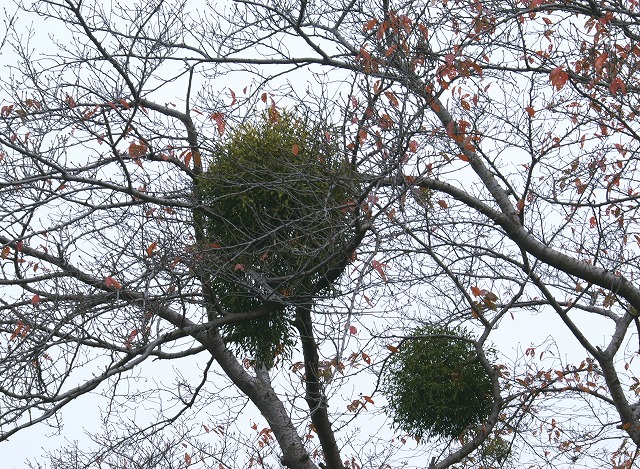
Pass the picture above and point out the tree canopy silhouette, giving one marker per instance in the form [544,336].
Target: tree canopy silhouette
[228,225]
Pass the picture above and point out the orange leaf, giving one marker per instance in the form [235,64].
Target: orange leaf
[618,85]
[295,149]
[413,146]
[112,283]
[558,77]
[378,266]
[530,111]
[219,118]
[368,399]
[187,459]
[600,60]
[5,252]
[443,203]
[151,248]
[476,291]
[392,98]
[264,97]
[369,25]
[35,300]
[129,341]
[136,150]
[392,348]
[20,330]
[369,302]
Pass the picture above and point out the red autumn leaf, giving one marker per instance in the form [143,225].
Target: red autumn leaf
[389,52]
[378,267]
[5,252]
[520,205]
[443,203]
[368,399]
[152,247]
[558,77]
[6,110]
[600,60]
[112,283]
[264,97]
[187,459]
[413,146]
[219,118]
[463,157]
[70,101]
[295,149]
[136,150]
[392,348]
[369,25]
[621,149]
[124,103]
[20,246]
[618,85]
[187,158]
[362,135]
[129,341]
[233,97]
[530,111]
[476,291]
[239,267]
[385,122]
[353,330]
[392,98]
[20,330]
[593,222]
[365,55]
[35,300]
[367,359]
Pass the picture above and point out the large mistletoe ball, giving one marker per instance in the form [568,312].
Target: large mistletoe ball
[275,217]
[435,386]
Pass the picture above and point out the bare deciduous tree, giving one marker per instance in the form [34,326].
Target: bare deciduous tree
[445,165]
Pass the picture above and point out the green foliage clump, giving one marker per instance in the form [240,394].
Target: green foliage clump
[435,386]
[275,219]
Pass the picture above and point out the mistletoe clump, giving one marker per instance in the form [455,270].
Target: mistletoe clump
[435,386]
[275,218]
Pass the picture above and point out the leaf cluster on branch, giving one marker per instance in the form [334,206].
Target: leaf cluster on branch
[276,213]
